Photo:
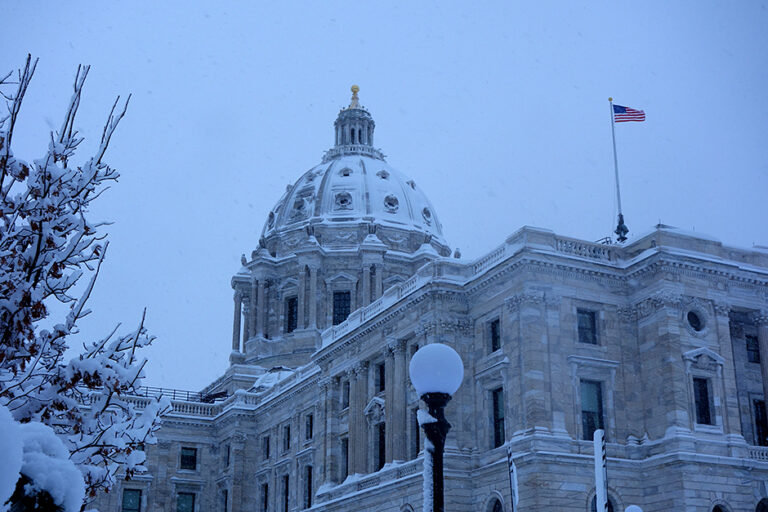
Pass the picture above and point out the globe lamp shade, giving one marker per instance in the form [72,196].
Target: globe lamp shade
[436,368]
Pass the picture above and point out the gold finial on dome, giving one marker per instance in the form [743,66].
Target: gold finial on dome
[355,103]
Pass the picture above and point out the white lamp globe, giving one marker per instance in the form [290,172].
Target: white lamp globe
[436,368]
[633,508]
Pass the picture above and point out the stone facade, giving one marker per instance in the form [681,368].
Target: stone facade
[663,342]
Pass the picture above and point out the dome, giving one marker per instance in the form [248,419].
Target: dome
[353,188]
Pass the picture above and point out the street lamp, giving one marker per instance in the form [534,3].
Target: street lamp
[436,372]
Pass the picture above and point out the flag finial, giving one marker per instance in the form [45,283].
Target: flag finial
[610,99]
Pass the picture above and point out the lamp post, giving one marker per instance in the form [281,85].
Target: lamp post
[436,372]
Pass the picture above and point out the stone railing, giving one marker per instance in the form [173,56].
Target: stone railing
[758,453]
[359,483]
[490,259]
[584,249]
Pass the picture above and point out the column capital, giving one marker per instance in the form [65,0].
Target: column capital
[722,308]
[760,317]
[237,296]
[360,367]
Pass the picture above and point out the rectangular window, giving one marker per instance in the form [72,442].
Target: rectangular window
[341,305]
[344,458]
[291,314]
[497,397]
[224,499]
[308,487]
[264,497]
[587,326]
[381,377]
[265,447]
[131,500]
[591,408]
[286,489]
[309,426]
[345,394]
[185,502]
[753,349]
[761,423]
[701,398]
[415,434]
[494,334]
[381,445]
[286,437]
[226,456]
[188,458]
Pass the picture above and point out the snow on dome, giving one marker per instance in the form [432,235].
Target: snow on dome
[436,368]
[354,185]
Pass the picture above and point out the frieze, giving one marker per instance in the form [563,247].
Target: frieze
[627,314]
[515,302]
[656,302]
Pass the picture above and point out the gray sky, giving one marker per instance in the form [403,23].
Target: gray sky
[498,110]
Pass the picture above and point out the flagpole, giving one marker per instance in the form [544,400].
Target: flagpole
[621,228]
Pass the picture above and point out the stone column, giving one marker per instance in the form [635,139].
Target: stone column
[328,460]
[260,309]
[236,322]
[253,308]
[366,285]
[246,313]
[302,297]
[357,418]
[312,297]
[761,319]
[377,290]
[399,403]
[389,396]
[353,422]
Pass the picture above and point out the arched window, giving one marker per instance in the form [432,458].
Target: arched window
[762,506]
[718,508]
[495,506]
[593,507]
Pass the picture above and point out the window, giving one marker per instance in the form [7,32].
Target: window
[587,326]
[497,397]
[415,434]
[341,305]
[309,426]
[753,349]
[226,456]
[188,458]
[762,506]
[381,446]
[224,499]
[381,377]
[496,506]
[344,458]
[591,408]
[345,394]
[264,497]
[286,437]
[291,314]
[265,446]
[593,507]
[131,500]
[494,334]
[185,502]
[308,487]
[286,482]
[761,423]
[718,508]
[701,399]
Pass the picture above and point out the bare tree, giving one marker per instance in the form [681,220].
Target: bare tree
[47,246]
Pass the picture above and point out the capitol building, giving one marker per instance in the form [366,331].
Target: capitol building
[661,341]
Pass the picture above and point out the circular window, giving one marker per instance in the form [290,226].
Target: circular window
[695,321]
[383,174]
[391,203]
[345,172]
[343,201]
[427,215]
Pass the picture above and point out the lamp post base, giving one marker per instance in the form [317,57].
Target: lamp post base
[436,432]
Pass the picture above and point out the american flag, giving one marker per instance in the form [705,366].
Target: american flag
[624,114]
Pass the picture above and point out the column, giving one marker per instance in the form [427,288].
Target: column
[391,429]
[236,323]
[356,416]
[328,461]
[353,421]
[399,404]
[246,313]
[761,319]
[379,276]
[302,292]
[366,285]
[253,310]
[312,297]
[260,309]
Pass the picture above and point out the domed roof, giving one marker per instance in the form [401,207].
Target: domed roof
[354,185]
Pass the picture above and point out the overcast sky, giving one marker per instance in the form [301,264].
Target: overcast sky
[497,109]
